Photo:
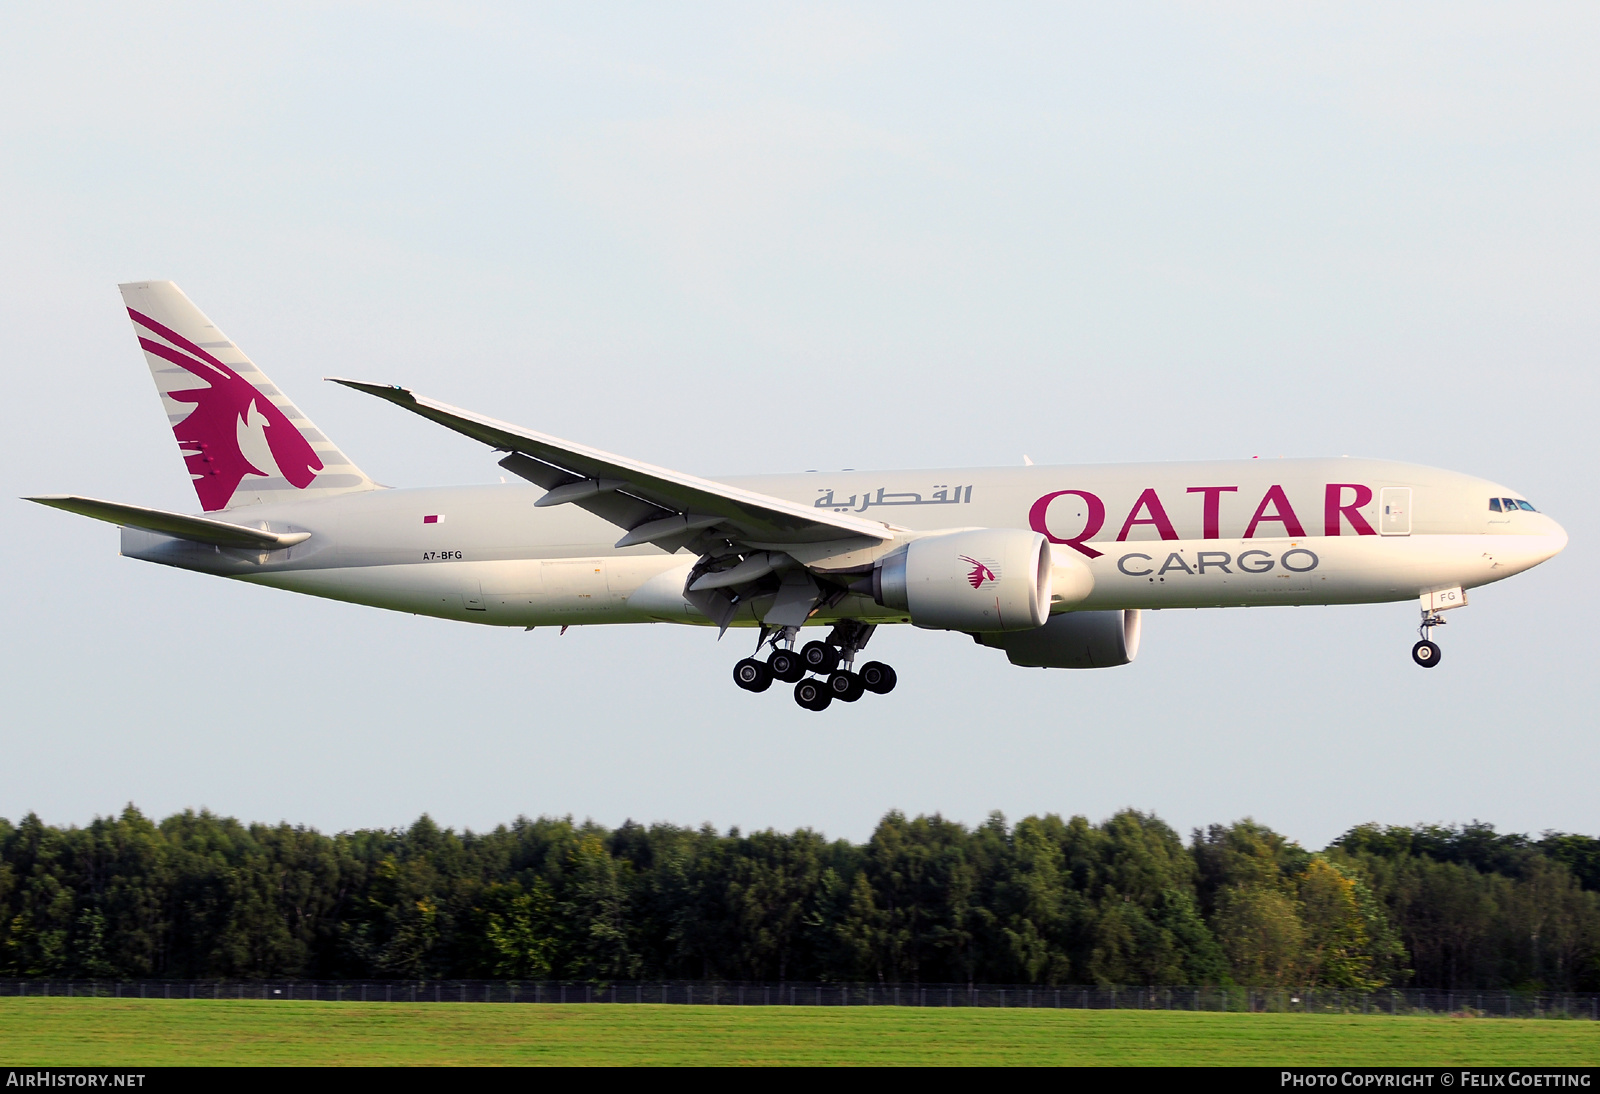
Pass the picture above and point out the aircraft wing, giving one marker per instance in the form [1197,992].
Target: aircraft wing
[219,533]
[651,504]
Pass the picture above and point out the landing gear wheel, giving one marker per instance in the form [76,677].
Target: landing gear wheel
[812,694]
[786,666]
[877,677]
[1425,653]
[752,675]
[819,657]
[846,686]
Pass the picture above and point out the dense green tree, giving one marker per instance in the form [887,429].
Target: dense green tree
[923,876]
[1035,907]
[521,932]
[1285,916]
[1477,909]
[1047,900]
[1347,944]
[1580,854]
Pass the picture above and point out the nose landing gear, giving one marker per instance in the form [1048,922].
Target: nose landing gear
[820,671]
[1426,653]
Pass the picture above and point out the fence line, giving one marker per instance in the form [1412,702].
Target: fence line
[1413,1001]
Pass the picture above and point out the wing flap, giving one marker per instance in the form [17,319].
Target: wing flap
[219,533]
[623,510]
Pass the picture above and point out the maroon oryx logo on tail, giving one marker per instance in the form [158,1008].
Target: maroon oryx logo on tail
[980,573]
[209,435]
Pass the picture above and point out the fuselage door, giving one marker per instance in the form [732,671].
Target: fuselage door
[1394,511]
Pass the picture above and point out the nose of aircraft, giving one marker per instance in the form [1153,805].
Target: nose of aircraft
[1537,539]
[1560,534]
[1555,538]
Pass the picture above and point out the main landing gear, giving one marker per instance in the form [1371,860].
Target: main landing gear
[820,671]
[1426,653]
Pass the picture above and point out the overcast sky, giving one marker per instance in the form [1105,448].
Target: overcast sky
[749,238]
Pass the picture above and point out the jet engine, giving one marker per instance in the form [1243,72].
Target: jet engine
[984,580]
[1073,640]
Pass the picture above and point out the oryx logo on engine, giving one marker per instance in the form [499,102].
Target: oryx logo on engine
[981,571]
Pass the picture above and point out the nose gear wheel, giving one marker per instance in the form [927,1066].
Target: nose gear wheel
[1425,653]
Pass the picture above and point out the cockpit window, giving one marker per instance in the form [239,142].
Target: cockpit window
[1510,504]
[1494,505]
[1528,505]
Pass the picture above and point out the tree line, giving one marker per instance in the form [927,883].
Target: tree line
[1044,901]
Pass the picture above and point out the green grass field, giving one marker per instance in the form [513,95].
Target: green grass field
[131,1032]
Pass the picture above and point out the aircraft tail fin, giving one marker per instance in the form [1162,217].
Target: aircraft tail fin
[242,440]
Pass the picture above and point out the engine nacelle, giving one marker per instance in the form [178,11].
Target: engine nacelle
[1073,640]
[986,580]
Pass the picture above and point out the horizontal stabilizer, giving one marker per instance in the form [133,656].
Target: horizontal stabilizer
[199,529]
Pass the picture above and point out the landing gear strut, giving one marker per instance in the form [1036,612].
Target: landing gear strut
[1426,653]
[820,671]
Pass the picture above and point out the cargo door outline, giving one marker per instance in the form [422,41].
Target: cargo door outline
[1394,511]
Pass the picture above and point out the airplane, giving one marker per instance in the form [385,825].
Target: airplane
[1053,566]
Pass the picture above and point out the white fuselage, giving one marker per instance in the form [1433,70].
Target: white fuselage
[1170,535]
